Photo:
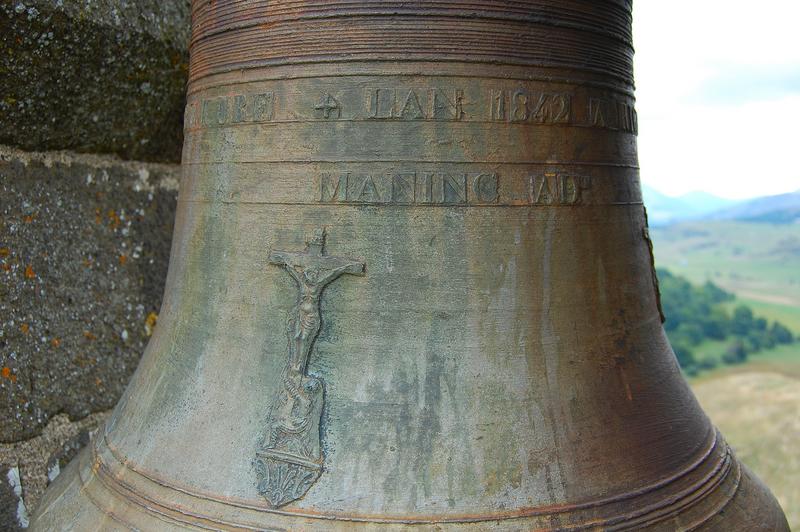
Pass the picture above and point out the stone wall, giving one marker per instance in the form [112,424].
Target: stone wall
[84,247]
[103,76]
[84,237]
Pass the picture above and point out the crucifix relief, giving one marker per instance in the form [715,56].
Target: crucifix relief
[289,459]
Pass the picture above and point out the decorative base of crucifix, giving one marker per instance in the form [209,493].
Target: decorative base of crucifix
[289,458]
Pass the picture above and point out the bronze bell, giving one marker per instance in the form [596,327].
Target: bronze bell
[411,288]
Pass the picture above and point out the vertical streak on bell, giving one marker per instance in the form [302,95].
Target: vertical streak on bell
[499,364]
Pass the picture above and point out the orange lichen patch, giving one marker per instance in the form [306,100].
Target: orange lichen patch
[88,262]
[24,328]
[150,323]
[6,372]
[123,259]
[4,252]
[89,336]
[28,218]
[98,382]
[114,220]
[29,274]
[6,267]
[98,217]
[55,342]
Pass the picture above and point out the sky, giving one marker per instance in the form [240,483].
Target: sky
[718,95]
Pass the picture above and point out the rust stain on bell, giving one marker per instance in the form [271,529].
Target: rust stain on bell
[501,367]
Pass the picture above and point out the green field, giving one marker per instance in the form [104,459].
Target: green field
[784,359]
[756,261]
[756,404]
[789,315]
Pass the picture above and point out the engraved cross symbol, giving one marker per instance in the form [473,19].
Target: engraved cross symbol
[328,104]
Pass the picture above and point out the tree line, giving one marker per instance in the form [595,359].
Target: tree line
[696,314]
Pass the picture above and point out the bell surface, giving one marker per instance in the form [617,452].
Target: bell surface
[411,288]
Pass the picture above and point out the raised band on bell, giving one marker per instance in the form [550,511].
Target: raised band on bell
[502,365]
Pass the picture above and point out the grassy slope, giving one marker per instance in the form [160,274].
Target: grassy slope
[755,404]
[761,422]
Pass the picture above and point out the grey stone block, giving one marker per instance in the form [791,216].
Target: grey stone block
[13,513]
[65,454]
[40,459]
[106,76]
[84,245]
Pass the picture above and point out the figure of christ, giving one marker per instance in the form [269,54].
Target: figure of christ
[292,413]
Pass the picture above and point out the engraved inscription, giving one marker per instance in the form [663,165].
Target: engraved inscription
[409,187]
[613,114]
[529,104]
[191,117]
[289,458]
[329,107]
[522,105]
[557,189]
[485,187]
[235,109]
[415,104]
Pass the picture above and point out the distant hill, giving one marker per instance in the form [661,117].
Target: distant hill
[663,209]
[758,262]
[783,208]
[703,202]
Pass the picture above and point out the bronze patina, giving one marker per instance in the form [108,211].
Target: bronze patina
[411,288]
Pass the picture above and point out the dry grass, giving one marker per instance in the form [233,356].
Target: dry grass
[759,414]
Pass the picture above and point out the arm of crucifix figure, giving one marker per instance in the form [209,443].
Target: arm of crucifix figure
[280,258]
[353,268]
